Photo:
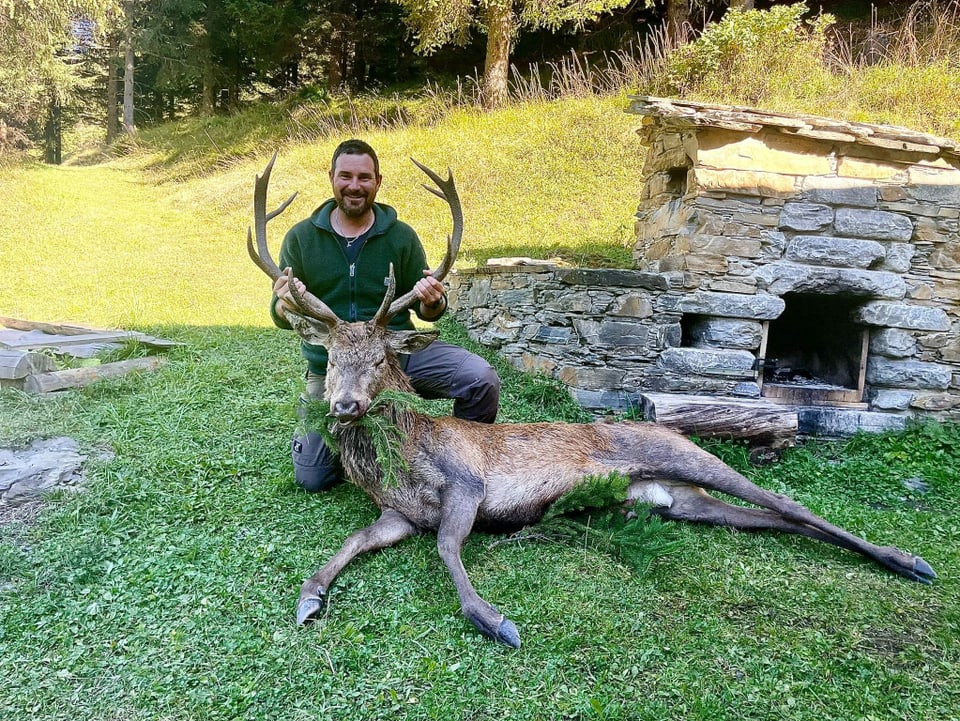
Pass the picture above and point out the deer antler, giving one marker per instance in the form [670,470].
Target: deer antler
[308,303]
[447,190]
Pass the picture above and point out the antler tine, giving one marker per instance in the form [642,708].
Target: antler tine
[382,316]
[309,304]
[261,256]
[447,190]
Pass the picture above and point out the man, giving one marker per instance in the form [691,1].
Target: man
[341,254]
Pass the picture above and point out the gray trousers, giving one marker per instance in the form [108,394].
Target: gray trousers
[440,370]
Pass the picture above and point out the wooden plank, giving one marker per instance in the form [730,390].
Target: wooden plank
[812,395]
[78,377]
[16,364]
[862,371]
[53,328]
[762,356]
[757,422]
[44,340]
[65,329]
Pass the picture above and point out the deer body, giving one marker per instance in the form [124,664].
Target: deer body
[464,474]
[514,464]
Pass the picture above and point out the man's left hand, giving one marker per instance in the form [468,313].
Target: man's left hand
[433,300]
[429,290]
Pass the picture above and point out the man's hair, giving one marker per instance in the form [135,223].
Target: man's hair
[355,147]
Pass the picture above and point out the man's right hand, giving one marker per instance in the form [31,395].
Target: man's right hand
[281,289]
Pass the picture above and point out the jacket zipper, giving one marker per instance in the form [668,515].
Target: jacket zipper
[353,292]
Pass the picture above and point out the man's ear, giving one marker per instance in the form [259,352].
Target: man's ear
[410,341]
[314,332]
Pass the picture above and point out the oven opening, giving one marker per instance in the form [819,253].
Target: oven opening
[813,353]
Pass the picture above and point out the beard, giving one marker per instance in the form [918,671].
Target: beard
[354,206]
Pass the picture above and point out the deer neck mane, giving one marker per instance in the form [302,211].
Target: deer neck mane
[372,450]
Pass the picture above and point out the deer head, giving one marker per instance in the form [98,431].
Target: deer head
[362,356]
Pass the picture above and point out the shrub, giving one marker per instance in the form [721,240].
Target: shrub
[750,55]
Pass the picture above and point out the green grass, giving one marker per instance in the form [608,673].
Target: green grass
[167,589]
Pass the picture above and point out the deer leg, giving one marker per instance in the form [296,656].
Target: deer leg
[693,504]
[458,513]
[696,505]
[392,527]
[710,473]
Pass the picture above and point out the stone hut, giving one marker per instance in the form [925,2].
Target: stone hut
[792,262]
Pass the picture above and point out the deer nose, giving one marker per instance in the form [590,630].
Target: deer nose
[346,411]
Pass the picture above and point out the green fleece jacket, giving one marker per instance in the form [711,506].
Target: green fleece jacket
[353,293]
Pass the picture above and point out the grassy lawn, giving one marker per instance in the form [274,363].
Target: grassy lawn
[167,590]
[121,244]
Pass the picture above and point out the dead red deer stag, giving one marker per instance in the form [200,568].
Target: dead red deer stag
[464,474]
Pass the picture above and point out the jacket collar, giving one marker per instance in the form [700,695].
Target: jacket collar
[384,216]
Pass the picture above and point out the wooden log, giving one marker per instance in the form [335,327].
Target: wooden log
[15,364]
[53,328]
[757,422]
[77,377]
[64,329]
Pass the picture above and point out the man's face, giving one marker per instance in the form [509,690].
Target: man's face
[355,184]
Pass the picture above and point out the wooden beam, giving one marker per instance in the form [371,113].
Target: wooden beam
[64,341]
[757,422]
[77,377]
[54,328]
[15,364]
[64,329]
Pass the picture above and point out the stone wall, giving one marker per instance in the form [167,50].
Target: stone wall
[742,212]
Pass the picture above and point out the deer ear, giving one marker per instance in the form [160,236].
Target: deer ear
[410,341]
[312,331]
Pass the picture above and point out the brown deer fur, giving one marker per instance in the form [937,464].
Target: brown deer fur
[464,474]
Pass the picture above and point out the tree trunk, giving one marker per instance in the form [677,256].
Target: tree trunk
[113,119]
[334,67]
[497,64]
[741,4]
[79,377]
[678,17]
[52,136]
[208,90]
[128,125]
[336,53]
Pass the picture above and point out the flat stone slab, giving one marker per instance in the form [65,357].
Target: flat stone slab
[842,423]
[44,466]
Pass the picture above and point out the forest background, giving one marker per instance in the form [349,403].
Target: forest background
[82,72]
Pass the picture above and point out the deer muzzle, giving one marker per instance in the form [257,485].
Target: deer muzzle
[348,411]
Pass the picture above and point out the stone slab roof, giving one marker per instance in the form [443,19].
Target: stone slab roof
[683,115]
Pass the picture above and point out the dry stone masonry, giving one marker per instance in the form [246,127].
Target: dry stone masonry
[800,260]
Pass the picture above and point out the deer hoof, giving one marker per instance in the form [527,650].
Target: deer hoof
[309,609]
[507,633]
[922,571]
